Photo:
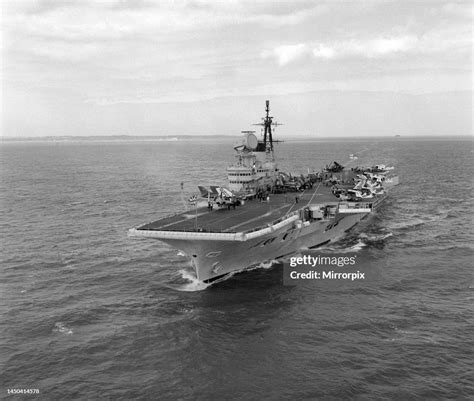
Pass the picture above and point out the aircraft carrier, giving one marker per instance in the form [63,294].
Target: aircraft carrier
[265,214]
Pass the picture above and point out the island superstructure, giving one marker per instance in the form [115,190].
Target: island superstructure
[265,214]
[255,160]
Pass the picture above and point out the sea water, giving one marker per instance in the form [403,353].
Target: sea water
[88,313]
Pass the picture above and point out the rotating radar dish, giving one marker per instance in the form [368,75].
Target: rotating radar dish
[251,141]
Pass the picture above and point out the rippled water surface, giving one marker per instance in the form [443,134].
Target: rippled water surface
[88,313]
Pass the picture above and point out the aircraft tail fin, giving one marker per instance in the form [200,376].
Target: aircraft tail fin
[215,190]
[204,192]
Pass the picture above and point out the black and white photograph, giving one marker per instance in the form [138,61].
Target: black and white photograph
[236,200]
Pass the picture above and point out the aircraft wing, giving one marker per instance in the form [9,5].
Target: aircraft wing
[227,192]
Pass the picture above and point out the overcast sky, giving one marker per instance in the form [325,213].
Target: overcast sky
[201,67]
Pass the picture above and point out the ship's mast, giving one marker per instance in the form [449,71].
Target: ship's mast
[267,123]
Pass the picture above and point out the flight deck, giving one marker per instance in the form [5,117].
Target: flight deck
[251,215]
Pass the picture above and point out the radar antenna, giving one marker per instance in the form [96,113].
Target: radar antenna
[267,124]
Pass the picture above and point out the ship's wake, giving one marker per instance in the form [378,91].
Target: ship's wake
[341,246]
[358,241]
[375,237]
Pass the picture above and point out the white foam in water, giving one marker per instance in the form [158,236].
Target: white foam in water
[412,222]
[342,248]
[266,265]
[262,265]
[375,237]
[193,285]
[357,247]
[196,285]
[59,327]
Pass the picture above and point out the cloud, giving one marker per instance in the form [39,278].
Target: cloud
[324,51]
[383,46]
[463,10]
[112,19]
[62,52]
[144,51]
[388,46]
[287,53]
[371,48]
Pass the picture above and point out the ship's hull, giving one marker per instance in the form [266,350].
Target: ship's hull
[213,259]
[217,253]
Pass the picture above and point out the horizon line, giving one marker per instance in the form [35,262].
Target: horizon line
[210,136]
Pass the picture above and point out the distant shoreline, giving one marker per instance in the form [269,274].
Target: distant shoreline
[182,138]
[101,138]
